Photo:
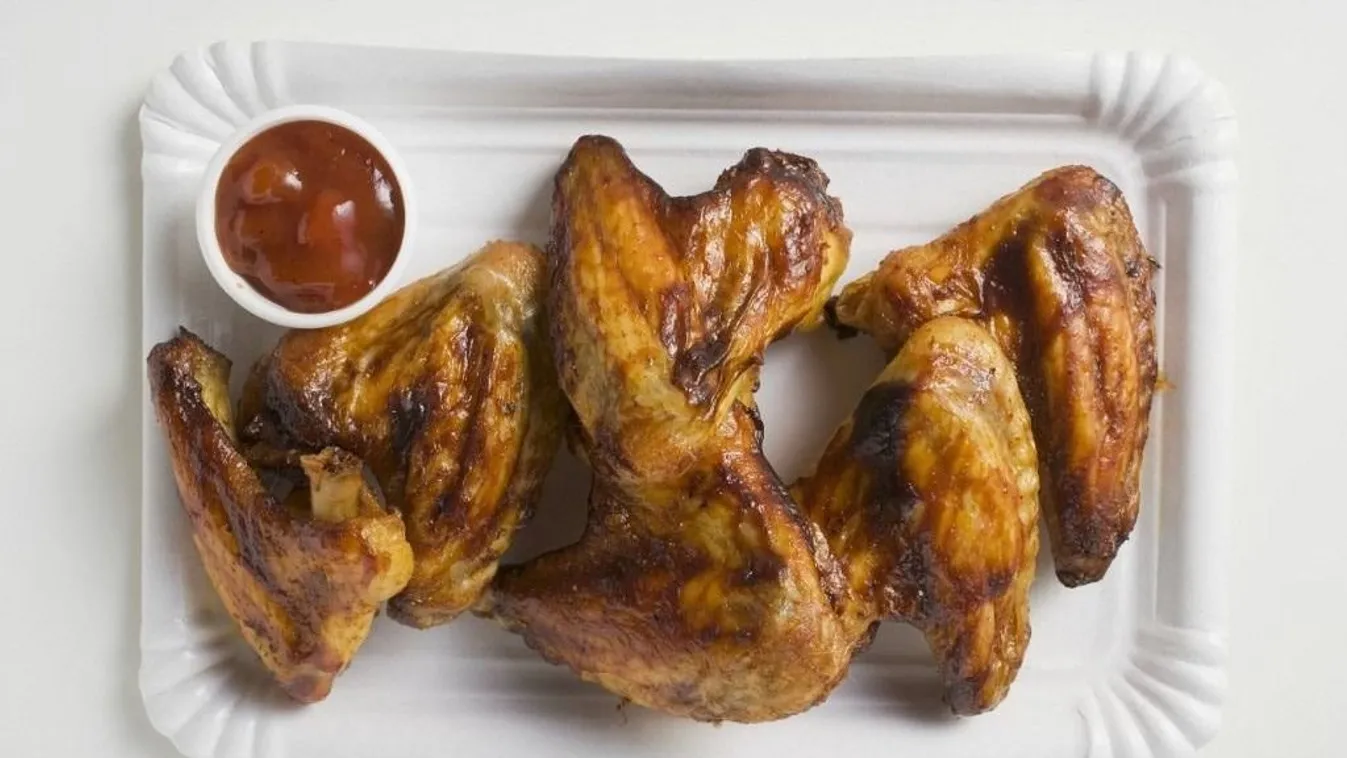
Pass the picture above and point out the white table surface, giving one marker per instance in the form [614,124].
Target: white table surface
[72,74]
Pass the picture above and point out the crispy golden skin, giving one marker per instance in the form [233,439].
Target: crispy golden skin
[447,390]
[302,576]
[661,307]
[928,496]
[1058,273]
[698,588]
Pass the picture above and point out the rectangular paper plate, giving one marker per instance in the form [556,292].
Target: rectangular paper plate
[1132,666]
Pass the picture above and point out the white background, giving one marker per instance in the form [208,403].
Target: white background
[72,74]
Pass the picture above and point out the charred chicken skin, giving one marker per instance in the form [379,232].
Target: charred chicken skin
[928,496]
[300,548]
[1058,274]
[447,391]
[698,588]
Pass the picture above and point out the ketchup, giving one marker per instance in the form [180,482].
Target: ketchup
[310,214]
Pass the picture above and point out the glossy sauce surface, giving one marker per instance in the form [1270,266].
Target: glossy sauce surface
[310,214]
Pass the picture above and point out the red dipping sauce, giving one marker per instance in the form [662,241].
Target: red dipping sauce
[310,214]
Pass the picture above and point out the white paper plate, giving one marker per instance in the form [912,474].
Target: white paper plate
[1133,666]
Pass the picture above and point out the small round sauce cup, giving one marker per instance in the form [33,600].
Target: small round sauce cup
[291,210]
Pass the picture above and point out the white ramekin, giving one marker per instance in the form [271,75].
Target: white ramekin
[238,288]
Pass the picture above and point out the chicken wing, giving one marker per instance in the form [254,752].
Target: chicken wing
[1057,272]
[302,571]
[928,496]
[447,390]
[697,588]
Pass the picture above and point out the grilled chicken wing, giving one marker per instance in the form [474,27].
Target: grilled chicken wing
[1058,273]
[446,389]
[698,588]
[302,570]
[928,496]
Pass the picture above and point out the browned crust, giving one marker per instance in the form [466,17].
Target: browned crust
[698,587]
[928,497]
[691,288]
[447,389]
[303,592]
[1059,274]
